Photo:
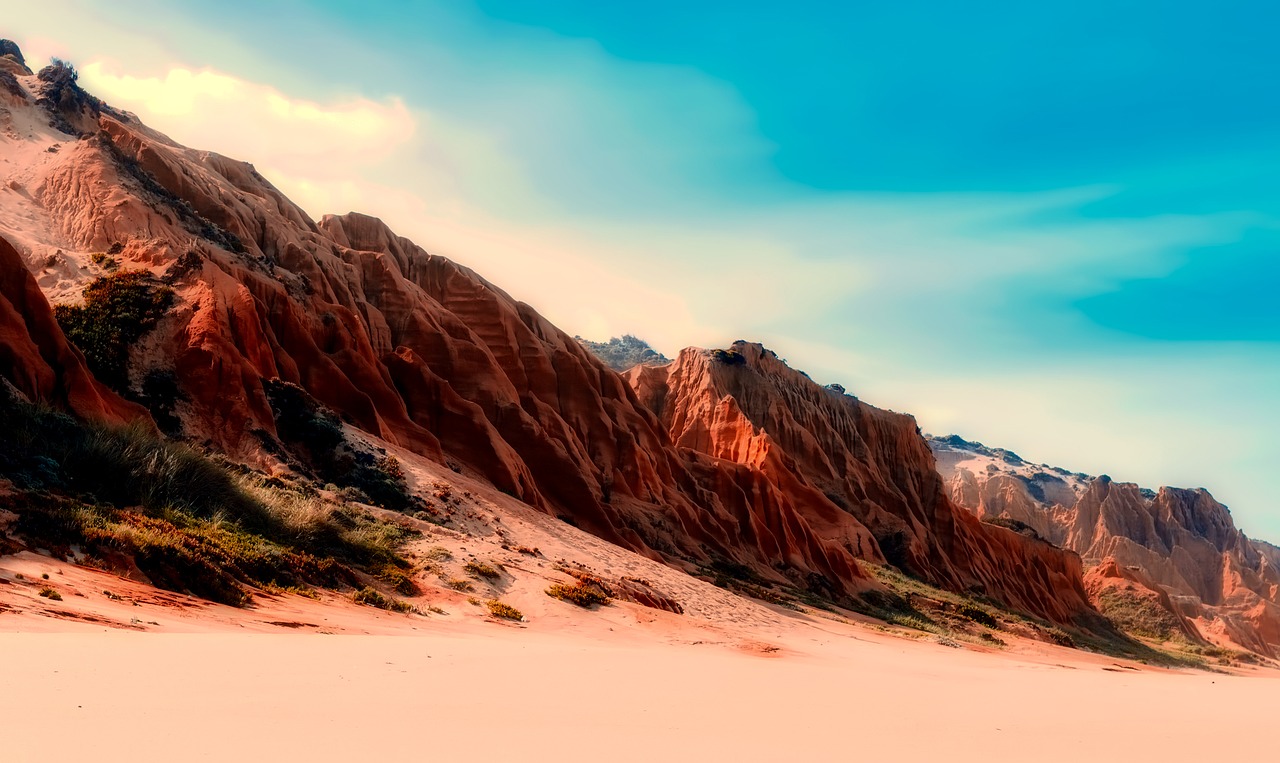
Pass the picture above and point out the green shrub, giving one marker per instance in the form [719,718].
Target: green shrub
[585,595]
[439,554]
[161,394]
[729,357]
[187,521]
[315,435]
[978,615]
[370,597]
[50,593]
[503,611]
[1139,615]
[118,310]
[1017,525]
[400,580]
[101,259]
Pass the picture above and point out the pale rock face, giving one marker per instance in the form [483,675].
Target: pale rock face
[1179,544]
[693,463]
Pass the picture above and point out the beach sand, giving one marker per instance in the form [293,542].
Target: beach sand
[120,671]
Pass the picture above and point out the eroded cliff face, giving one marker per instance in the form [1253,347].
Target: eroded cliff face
[35,358]
[866,476]
[1179,546]
[408,346]
[751,466]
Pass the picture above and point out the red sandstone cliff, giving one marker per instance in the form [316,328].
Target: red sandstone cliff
[865,477]
[750,465]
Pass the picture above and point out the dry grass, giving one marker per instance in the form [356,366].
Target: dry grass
[584,593]
[504,611]
[371,597]
[481,570]
[189,521]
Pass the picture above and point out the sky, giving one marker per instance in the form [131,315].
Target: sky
[1052,227]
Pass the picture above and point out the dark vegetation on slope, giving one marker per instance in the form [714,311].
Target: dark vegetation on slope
[313,434]
[124,498]
[118,310]
[1017,525]
[1140,615]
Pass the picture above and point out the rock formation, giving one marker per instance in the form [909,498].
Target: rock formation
[1179,546]
[737,464]
[863,478]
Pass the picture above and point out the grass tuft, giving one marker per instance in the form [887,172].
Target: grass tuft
[372,598]
[481,570]
[583,593]
[503,611]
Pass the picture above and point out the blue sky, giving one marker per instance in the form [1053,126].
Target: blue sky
[1053,227]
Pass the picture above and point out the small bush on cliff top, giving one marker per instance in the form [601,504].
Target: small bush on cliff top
[118,310]
[1018,526]
[729,357]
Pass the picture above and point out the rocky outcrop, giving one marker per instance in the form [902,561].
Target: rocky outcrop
[408,346]
[863,478]
[1182,546]
[10,48]
[743,466]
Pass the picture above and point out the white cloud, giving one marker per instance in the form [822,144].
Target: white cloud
[213,110]
[905,298]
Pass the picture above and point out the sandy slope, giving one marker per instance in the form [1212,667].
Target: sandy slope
[141,674]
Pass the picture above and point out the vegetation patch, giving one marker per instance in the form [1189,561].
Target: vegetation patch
[118,310]
[314,434]
[1139,615]
[978,615]
[481,570]
[50,593]
[439,554]
[729,357]
[585,593]
[503,611]
[372,598]
[1018,526]
[622,353]
[398,578]
[188,522]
